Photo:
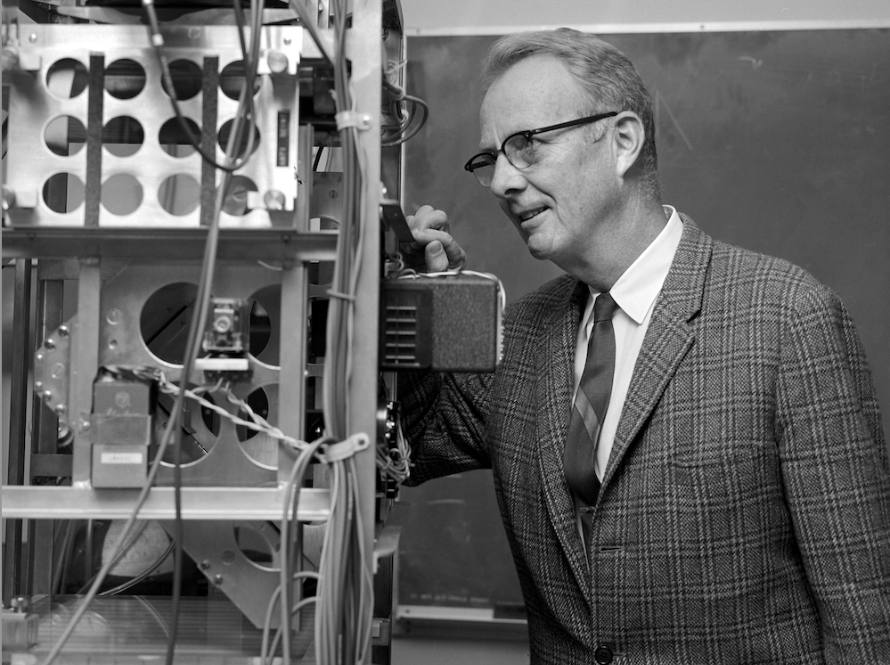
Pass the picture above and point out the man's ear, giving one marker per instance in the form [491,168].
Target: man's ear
[627,141]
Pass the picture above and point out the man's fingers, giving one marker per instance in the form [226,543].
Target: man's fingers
[436,258]
[428,217]
[457,257]
[431,232]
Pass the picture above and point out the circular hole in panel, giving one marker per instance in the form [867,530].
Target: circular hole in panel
[242,145]
[258,542]
[123,136]
[65,135]
[179,194]
[164,320]
[174,140]
[187,79]
[265,319]
[200,429]
[67,78]
[124,78]
[63,192]
[231,80]
[259,446]
[235,201]
[121,194]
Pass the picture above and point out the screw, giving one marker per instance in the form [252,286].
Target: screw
[32,37]
[205,564]
[274,199]
[50,343]
[8,195]
[63,331]
[277,61]
[218,580]
[20,604]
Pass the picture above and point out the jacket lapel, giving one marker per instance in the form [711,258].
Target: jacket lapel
[554,395]
[667,340]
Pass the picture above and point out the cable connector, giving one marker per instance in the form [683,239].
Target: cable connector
[336,452]
[346,119]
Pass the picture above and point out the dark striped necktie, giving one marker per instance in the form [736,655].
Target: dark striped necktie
[591,402]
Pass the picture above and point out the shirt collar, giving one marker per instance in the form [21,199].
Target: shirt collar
[639,285]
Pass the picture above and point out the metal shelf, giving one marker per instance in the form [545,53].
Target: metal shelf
[172,244]
[198,503]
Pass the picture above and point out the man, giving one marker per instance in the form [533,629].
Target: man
[726,497]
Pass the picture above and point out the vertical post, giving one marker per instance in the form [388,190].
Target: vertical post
[83,364]
[294,314]
[45,427]
[365,54]
[13,548]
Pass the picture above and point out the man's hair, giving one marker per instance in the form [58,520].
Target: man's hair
[605,73]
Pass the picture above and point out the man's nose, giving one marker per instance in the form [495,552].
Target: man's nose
[506,177]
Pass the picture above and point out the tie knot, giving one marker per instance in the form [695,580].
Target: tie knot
[604,307]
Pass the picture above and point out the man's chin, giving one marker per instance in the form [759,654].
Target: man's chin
[536,250]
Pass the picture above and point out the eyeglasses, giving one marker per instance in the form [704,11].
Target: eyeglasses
[520,149]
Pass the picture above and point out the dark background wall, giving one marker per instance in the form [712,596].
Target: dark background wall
[777,141]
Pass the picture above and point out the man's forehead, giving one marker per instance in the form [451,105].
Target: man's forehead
[534,92]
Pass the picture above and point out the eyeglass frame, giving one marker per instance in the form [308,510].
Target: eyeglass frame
[528,134]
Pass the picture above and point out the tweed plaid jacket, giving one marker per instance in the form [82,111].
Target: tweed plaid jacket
[744,516]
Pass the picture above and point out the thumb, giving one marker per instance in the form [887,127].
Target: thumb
[436,258]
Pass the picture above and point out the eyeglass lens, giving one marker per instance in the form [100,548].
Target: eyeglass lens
[520,152]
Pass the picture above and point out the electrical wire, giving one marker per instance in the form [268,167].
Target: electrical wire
[157,42]
[395,462]
[267,649]
[309,24]
[57,584]
[290,511]
[344,607]
[203,298]
[410,112]
[242,118]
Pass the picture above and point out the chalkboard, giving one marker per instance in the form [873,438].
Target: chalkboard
[776,141]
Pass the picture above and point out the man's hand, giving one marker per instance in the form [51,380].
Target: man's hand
[432,237]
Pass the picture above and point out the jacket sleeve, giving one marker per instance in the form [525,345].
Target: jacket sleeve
[443,416]
[836,476]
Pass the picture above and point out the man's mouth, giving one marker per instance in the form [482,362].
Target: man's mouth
[528,214]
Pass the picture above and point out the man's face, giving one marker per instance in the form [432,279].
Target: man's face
[559,203]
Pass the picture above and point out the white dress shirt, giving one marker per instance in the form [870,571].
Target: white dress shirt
[635,293]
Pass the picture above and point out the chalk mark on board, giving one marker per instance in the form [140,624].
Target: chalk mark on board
[755,62]
[659,102]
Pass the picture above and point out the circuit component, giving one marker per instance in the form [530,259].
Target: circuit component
[226,340]
[121,428]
